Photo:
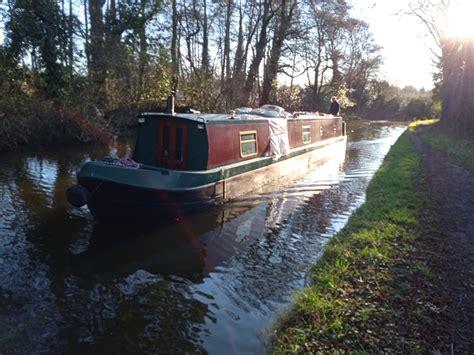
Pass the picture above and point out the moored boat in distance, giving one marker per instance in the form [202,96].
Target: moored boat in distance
[185,162]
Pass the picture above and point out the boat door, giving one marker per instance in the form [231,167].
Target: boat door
[172,146]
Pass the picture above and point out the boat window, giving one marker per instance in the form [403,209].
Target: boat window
[306,134]
[166,141]
[248,143]
[178,152]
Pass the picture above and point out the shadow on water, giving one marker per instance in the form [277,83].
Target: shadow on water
[210,281]
[166,247]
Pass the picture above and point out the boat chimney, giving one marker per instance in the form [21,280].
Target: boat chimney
[170,104]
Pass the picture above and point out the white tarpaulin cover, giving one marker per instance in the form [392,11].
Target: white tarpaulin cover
[265,110]
[279,144]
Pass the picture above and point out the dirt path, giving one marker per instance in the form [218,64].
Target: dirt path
[452,188]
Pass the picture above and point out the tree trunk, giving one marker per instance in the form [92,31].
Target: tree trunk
[227,40]
[205,42]
[281,32]
[174,48]
[87,42]
[336,73]
[143,56]
[225,63]
[96,50]
[259,53]
[70,45]
[239,52]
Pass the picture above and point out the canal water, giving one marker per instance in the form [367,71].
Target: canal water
[213,282]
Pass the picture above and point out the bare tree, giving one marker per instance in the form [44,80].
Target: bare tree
[96,49]
[265,18]
[283,25]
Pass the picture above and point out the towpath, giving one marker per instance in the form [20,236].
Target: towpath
[451,187]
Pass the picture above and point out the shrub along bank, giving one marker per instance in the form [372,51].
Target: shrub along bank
[376,287]
[33,122]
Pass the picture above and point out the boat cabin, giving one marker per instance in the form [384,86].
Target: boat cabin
[198,142]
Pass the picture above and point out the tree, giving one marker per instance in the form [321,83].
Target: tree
[35,27]
[174,46]
[97,56]
[264,19]
[361,63]
[391,102]
[454,57]
[283,25]
[96,50]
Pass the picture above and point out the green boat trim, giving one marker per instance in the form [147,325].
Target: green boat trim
[151,177]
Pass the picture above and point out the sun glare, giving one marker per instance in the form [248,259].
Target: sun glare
[460,20]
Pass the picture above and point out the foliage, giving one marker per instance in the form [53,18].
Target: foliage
[371,291]
[454,59]
[335,51]
[157,79]
[38,121]
[199,92]
[343,96]
[98,56]
[391,102]
[28,118]
[289,97]
[36,27]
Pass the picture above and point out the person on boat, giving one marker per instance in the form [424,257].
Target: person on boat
[334,108]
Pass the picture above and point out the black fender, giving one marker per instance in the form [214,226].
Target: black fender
[77,195]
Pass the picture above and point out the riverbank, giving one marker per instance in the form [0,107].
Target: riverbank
[399,275]
[29,122]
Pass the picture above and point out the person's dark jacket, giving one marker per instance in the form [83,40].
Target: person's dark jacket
[334,108]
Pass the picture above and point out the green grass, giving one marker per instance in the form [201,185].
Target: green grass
[371,290]
[458,148]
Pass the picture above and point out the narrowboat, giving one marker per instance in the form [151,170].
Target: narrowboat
[185,162]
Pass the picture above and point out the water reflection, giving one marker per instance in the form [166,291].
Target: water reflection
[210,281]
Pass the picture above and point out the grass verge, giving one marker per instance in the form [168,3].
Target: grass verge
[372,291]
[458,148]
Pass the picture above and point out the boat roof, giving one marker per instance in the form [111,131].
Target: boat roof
[209,117]
[226,117]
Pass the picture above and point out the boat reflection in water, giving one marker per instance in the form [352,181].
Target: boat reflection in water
[195,244]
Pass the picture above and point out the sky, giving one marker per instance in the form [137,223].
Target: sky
[406,46]
[407,57]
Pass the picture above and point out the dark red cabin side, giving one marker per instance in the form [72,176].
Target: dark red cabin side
[314,129]
[225,141]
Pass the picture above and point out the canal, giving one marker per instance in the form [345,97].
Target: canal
[211,282]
